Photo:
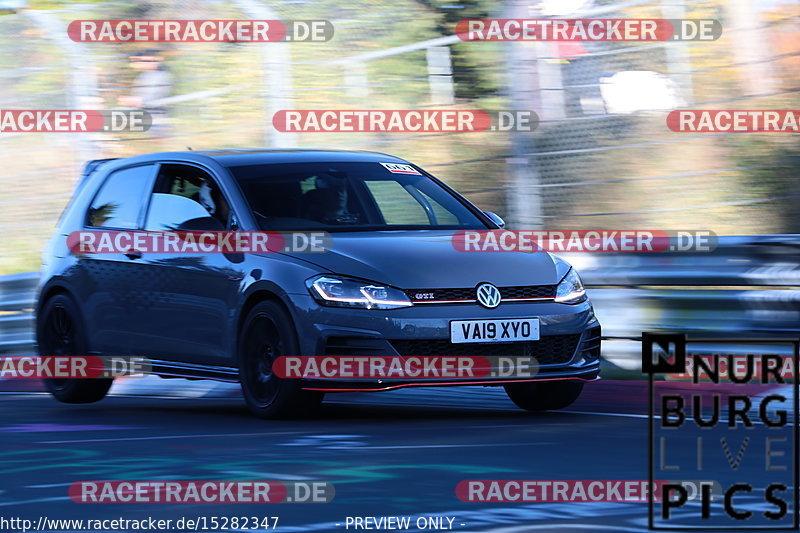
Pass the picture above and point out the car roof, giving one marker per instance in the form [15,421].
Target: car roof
[251,157]
[234,157]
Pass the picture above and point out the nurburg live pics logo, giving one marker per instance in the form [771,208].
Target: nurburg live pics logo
[734,424]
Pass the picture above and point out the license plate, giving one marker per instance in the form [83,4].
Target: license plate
[494,330]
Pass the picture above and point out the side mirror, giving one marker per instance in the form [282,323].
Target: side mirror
[201,224]
[496,219]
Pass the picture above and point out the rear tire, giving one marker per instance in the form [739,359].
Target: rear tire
[268,333]
[60,331]
[544,395]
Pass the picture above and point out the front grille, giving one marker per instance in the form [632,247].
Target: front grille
[350,346]
[549,350]
[421,295]
[523,291]
[533,291]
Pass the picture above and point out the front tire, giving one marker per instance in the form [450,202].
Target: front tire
[60,331]
[544,395]
[268,333]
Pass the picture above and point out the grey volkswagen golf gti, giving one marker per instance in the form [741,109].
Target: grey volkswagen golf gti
[389,283]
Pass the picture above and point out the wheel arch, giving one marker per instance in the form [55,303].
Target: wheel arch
[258,294]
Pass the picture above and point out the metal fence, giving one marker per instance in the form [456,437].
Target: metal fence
[746,287]
[602,157]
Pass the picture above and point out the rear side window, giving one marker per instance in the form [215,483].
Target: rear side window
[120,199]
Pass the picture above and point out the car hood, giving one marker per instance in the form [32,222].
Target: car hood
[428,259]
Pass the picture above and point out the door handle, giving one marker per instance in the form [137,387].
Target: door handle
[133,254]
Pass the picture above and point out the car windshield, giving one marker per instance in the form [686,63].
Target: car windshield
[340,196]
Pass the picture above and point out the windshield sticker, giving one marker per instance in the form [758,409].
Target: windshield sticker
[396,168]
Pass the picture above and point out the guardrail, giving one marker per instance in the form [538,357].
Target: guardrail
[747,286]
[16,311]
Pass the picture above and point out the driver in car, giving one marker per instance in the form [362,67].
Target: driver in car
[328,202]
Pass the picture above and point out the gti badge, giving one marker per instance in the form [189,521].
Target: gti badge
[488,295]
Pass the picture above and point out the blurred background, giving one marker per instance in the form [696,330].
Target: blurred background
[602,156]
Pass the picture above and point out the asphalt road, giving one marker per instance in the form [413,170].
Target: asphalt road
[398,453]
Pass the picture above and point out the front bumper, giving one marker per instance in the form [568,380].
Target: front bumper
[569,348]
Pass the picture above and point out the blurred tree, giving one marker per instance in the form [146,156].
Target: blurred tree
[777,180]
[470,77]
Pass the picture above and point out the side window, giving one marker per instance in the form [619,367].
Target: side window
[397,206]
[119,201]
[183,193]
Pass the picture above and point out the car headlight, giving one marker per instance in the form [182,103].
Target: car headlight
[347,292]
[570,290]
